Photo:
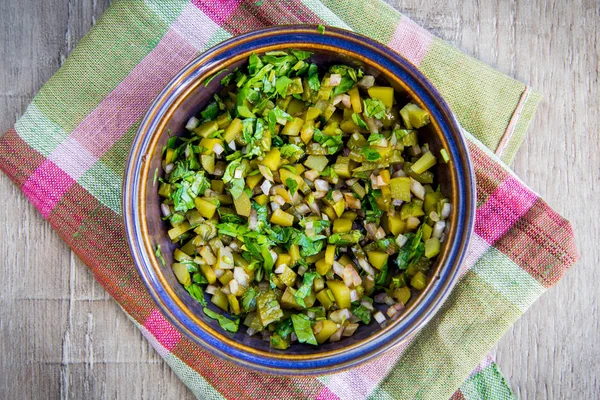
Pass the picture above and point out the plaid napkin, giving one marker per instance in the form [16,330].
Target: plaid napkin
[67,155]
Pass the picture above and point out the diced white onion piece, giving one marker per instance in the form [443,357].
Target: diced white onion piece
[347,276]
[391,311]
[235,246]
[225,290]
[192,123]
[389,301]
[380,181]
[438,229]
[253,220]
[353,319]
[416,150]
[340,316]
[398,174]
[367,304]
[353,295]
[250,331]
[346,101]
[234,286]
[293,337]
[380,234]
[446,210]
[274,255]
[337,335]
[397,202]
[338,269]
[231,145]
[311,174]
[238,173]
[218,149]
[443,238]
[187,151]
[372,124]
[319,194]
[301,270]
[350,329]
[380,298]
[211,289]
[274,206]
[337,99]
[266,187]
[302,209]
[325,217]
[335,79]
[412,223]
[434,216]
[219,272]
[352,202]
[393,140]
[165,210]
[351,181]
[280,269]
[314,207]
[364,264]
[240,275]
[322,185]
[417,189]
[169,168]
[336,195]
[379,317]
[374,181]
[279,200]
[401,240]
[367,81]
[311,315]
[399,306]
[371,228]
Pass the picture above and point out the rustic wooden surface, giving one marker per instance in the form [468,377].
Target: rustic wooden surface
[62,336]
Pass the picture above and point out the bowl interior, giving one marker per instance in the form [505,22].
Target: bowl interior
[185,99]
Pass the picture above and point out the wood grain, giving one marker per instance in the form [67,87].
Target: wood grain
[63,337]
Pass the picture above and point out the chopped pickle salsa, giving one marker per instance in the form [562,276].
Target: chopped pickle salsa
[303,201]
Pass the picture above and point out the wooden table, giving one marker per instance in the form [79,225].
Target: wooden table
[62,336]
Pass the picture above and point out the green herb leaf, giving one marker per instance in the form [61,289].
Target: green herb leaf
[332,143]
[159,255]
[291,150]
[321,29]
[374,108]
[249,299]
[345,84]
[362,313]
[357,119]
[300,54]
[303,329]
[371,154]
[309,246]
[345,239]
[210,112]
[284,328]
[375,137]
[292,185]
[197,293]
[282,85]
[225,323]
[313,78]
[306,287]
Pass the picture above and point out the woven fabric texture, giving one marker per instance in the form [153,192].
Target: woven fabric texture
[67,155]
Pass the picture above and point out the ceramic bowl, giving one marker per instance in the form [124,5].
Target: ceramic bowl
[189,92]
